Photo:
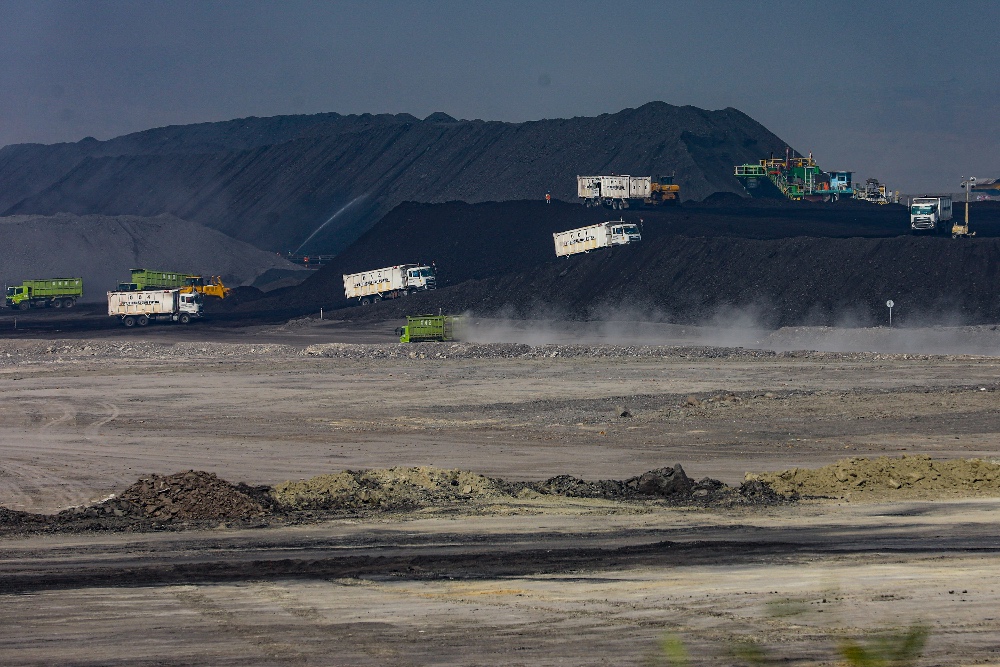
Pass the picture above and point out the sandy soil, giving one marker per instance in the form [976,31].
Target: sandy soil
[537,582]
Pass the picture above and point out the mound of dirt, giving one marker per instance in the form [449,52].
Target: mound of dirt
[188,496]
[888,478]
[385,489]
[402,488]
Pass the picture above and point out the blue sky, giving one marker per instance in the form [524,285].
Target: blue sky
[903,91]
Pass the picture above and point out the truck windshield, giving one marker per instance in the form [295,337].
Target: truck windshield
[426,273]
[11,291]
[630,229]
[922,209]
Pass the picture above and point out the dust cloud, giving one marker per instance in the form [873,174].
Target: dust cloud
[734,328]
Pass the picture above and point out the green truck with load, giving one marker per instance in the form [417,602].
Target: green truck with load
[145,279]
[53,293]
[423,328]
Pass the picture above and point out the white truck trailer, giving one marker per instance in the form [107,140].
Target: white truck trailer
[389,283]
[930,214]
[161,305]
[585,239]
[618,191]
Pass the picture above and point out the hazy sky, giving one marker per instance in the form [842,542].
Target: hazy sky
[903,91]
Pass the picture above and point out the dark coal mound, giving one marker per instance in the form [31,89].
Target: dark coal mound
[14,520]
[756,492]
[505,239]
[668,484]
[317,182]
[188,496]
[789,263]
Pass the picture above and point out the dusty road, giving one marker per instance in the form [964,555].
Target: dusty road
[573,582]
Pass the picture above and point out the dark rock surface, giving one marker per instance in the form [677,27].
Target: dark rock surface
[274,182]
[781,263]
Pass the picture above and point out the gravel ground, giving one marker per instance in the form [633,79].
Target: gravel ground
[540,579]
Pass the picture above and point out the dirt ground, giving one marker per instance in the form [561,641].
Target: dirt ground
[537,581]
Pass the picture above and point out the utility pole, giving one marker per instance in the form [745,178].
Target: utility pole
[957,231]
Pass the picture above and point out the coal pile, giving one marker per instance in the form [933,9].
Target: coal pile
[666,484]
[782,264]
[318,182]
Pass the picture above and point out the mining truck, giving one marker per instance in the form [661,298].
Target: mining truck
[603,235]
[423,328]
[930,214]
[145,279]
[389,283]
[52,293]
[625,191]
[139,308]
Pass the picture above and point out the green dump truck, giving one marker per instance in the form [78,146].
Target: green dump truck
[421,328]
[146,279]
[53,293]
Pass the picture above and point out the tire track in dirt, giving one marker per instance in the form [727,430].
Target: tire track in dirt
[230,622]
[93,431]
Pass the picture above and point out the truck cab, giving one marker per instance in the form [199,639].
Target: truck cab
[15,295]
[624,233]
[190,303]
[928,213]
[420,278]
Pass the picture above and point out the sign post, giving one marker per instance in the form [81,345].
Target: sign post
[890,304]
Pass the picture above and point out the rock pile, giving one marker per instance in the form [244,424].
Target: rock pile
[385,489]
[885,478]
[188,496]
[403,488]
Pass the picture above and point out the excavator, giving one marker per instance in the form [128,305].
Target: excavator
[207,286]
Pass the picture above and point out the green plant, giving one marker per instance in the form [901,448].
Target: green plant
[892,649]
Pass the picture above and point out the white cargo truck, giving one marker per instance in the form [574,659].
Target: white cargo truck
[389,283]
[622,191]
[585,239]
[161,305]
[929,214]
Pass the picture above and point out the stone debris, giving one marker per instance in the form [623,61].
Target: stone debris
[201,499]
[188,496]
[888,478]
[26,352]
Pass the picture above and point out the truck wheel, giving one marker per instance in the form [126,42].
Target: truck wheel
[185,318]
[142,321]
[365,301]
[69,303]
[24,305]
[129,322]
[376,298]
[624,203]
[56,303]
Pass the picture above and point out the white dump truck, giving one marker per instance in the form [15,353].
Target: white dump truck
[930,214]
[623,191]
[161,305]
[389,283]
[585,239]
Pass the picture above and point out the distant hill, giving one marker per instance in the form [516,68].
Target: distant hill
[317,183]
